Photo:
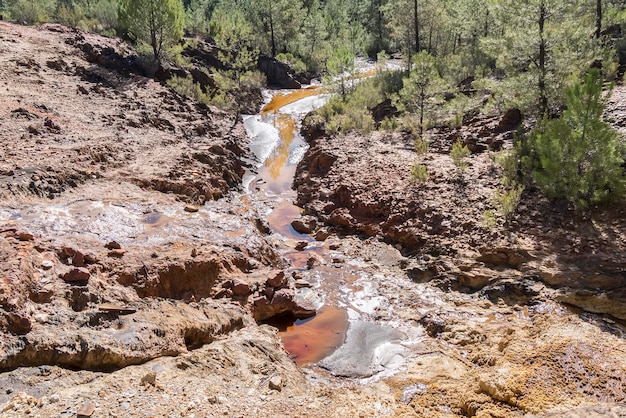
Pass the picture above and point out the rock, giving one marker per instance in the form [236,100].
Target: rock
[86,410]
[25,236]
[322,234]
[54,398]
[78,259]
[384,110]
[300,246]
[341,217]
[362,354]
[18,324]
[191,209]
[241,288]
[149,378]
[612,302]
[113,245]
[277,73]
[276,383]
[502,256]
[117,253]
[299,284]
[304,224]
[79,275]
[122,310]
[303,309]
[277,280]
[510,121]
[47,264]
[313,261]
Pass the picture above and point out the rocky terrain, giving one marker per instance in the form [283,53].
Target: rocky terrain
[135,273]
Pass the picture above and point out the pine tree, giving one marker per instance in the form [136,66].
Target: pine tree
[577,157]
[159,23]
[424,88]
[544,43]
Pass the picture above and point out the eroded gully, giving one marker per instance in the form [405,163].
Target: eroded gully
[344,337]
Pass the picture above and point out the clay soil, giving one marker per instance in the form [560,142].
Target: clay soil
[130,263]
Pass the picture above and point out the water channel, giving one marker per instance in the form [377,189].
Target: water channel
[343,294]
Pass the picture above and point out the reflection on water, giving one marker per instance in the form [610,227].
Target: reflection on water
[310,340]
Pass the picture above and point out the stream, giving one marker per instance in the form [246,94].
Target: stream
[339,338]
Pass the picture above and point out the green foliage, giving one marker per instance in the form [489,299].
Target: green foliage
[186,87]
[507,200]
[294,62]
[233,36]
[198,15]
[340,67]
[419,173]
[31,12]
[158,23]
[351,112]
[540,45]
[577,157]
[421,145]
[423,89]
[490,219]
[459,153]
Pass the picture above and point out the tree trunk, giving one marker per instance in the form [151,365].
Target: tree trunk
[417,28]
[543,99]
[379,27]
[598,18]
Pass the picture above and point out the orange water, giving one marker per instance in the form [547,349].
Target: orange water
[308,341]
[311,340]
[281,99]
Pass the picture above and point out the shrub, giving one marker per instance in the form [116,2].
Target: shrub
[490,219]
[419,173]
[186,87]
[459,153]
[421,145]
[507,200]
[31,12]
[577,157]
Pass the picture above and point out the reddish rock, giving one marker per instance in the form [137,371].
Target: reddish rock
[117,253]
[85,410]
[77,275]
[68,252]
[18,324]
[278,279]
[113,245]
[304,224]
[241,288]
[341,217]
[78,259]
[25,236]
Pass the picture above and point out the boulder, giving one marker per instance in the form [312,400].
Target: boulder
[79,275]
[277,279]
[277,73]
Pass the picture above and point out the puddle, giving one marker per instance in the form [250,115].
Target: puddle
[309,341]
[155,219]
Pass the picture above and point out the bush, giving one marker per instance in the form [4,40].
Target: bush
[506,201]
[186,87]
[577,157]
[31,11]
[419,173]
[459,153]
[421,145]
